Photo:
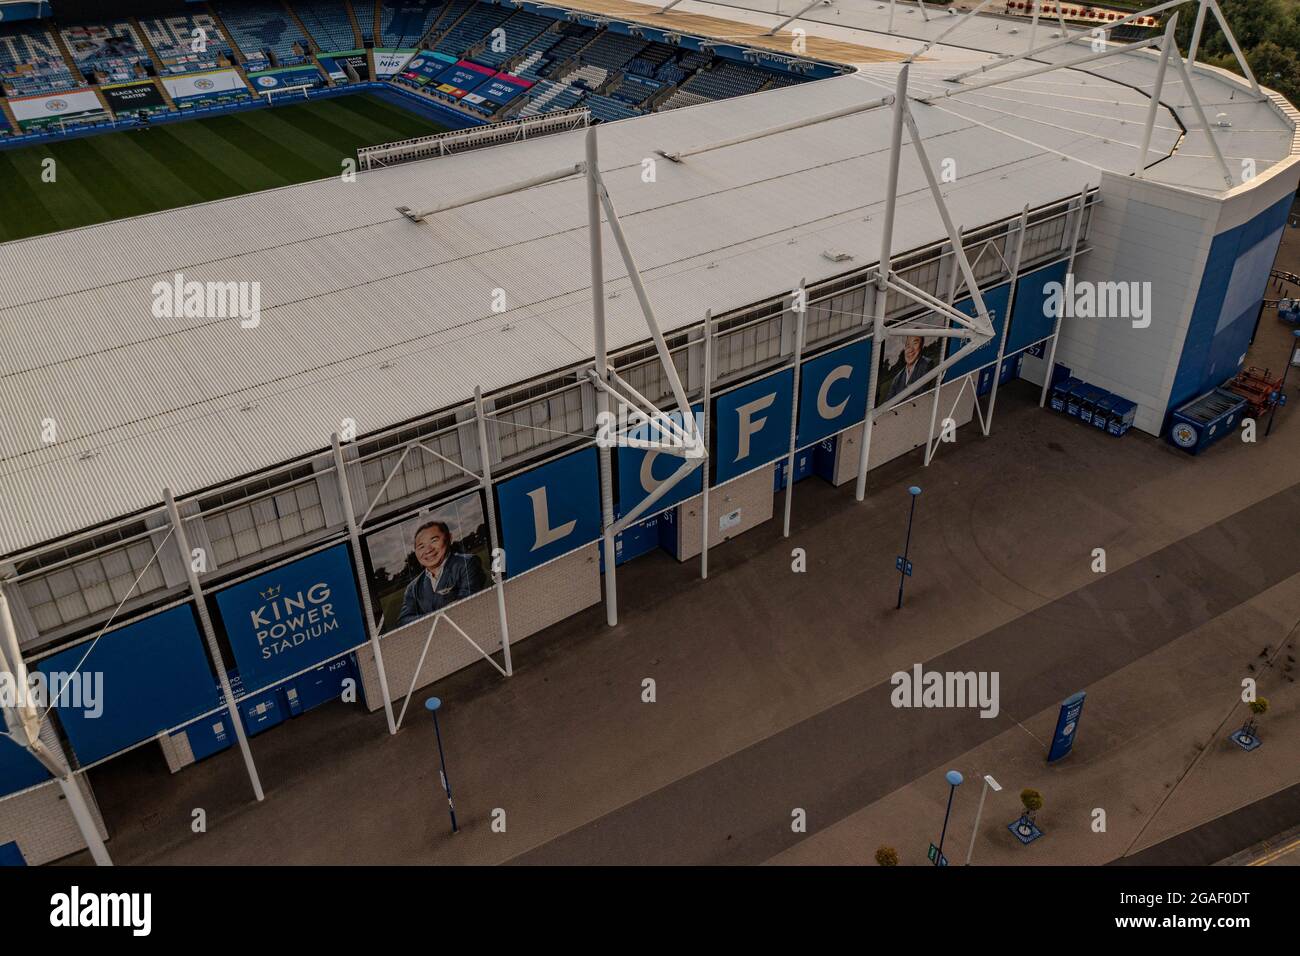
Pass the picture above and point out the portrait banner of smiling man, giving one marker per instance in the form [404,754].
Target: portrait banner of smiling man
[428,561]
[906,358]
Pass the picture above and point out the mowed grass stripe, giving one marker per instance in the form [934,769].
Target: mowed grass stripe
[400,123]
[164,179]
[72,199]
[68,201]
[285,159]
[258,161]
[315,148]
[22,208]
[329,128]
[216,168]
[131,173]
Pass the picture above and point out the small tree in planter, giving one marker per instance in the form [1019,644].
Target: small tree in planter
[886,856]
[1032,801]
[1258,708]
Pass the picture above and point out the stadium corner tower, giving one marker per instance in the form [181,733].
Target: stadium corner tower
[1140,272]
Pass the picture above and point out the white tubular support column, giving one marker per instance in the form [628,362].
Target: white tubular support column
[777,29]
[882,274]
[201,605]
[939,39]
[1236,48]
[602,370]
[984,68]
[708,397]
[801,313]
[1006,319]
[494,192]
[1203,119]
[1033,26]
[1195,46]
[1166,46]
[1069,269]
[354,539]
[938,382]
[23,722]
[485,459]
[1048,68]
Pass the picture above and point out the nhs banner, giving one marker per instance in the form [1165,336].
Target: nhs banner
[388,62]
[995,300]
[1030,318]
[641,471]
[752,425]
[292,618]
[833,392]
[549,510]
[132,683]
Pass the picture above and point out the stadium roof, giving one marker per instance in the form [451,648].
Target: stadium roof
[366,315]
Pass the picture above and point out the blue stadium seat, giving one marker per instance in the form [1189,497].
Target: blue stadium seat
[172,38]
[328,24]
[726,80]
[30,61]
[518,31]
[607,110]
[109,50]
[263,31]
[403,23]
[471,30]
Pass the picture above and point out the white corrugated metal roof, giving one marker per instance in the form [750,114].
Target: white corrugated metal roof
[368,316]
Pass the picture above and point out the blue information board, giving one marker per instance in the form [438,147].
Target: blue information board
[549,510]
[833,392]
[1067,724]
[752,425]
[293,617]
[151,675]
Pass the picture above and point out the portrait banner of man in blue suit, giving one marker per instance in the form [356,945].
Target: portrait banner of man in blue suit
[905,359]
[428,561]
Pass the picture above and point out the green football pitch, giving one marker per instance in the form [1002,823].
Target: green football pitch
[113,175]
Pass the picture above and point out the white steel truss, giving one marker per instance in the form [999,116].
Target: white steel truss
[975,331]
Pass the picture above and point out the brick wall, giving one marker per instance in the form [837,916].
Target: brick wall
[39,820]
[534,601]
[751,495]
[902,428]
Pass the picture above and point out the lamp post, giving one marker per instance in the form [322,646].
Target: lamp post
[988,782]
[902,563]
[1281,388]
[432,705]
[954,781]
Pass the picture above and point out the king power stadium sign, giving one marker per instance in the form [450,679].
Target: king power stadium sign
[293,617]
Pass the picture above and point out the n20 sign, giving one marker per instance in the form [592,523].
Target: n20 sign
[549,510]
[293,617]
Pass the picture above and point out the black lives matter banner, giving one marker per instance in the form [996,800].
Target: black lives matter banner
[130,97]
